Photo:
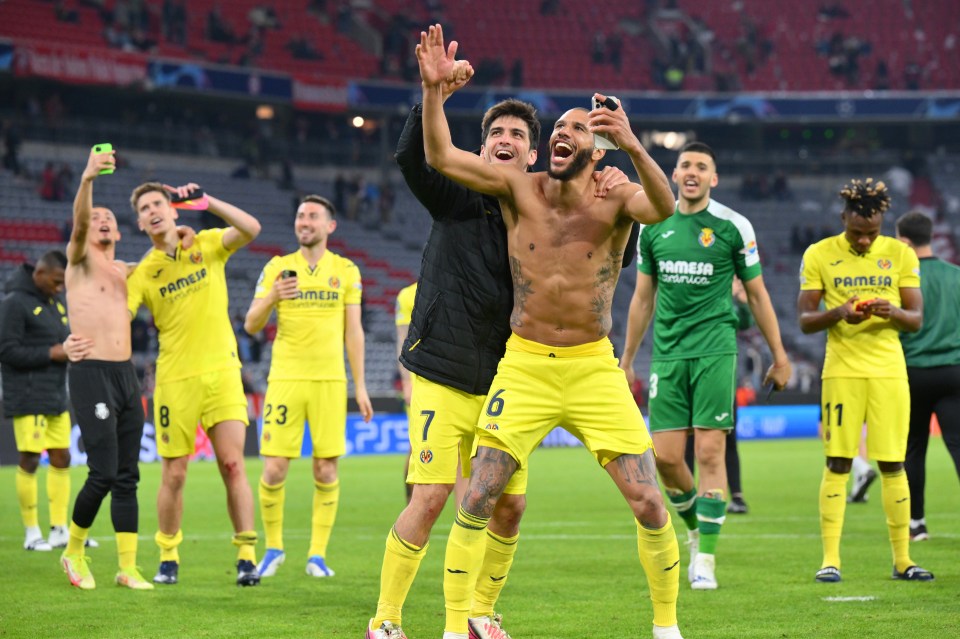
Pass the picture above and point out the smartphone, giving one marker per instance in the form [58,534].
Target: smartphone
[601,141]
[196,200]
[104,147]
[287,273]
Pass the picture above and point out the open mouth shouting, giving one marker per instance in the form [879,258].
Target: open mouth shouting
[562,150]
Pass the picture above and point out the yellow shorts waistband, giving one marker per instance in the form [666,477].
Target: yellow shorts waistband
[591,349]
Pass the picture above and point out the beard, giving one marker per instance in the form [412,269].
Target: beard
[580,161]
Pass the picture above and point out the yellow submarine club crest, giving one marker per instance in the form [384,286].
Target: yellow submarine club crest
[707,238]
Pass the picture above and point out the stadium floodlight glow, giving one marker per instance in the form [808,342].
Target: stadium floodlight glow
[672,140]
[264,112]
[358,121]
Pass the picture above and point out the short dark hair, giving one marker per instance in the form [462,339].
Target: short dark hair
[147,187]
[865,198]
[916,227]
[52,260]
[319,199]
[698,147]
[516,108]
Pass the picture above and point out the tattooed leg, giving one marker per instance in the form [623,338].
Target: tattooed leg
[490,471]
[636,477]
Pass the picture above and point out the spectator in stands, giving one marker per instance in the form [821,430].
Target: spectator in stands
[217,29]
[781,189]
[516,73]
[302,49]
[65,14]
[881,76]
[598,51]
[50,187]
[912,76]
[11,144]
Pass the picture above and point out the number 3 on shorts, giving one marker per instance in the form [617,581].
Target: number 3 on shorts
[495,407]
[654,378]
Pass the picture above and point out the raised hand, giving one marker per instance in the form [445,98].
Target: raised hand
[457,78]
[181,191]
[436,61]
[98,162]
[613,124]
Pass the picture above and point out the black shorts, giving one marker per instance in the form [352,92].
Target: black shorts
[105,397]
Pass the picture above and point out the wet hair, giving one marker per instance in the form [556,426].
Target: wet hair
[147,187]
[518,109]
[319,199]
[865,198]
[916,227]
[52,260]
[698,147]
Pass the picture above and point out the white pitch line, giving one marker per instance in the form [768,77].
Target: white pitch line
[849,599]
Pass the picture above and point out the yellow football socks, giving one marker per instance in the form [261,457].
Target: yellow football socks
[326,499]
[127,549]
[77,540]
[246,543]
[272,499]
[465,550]
[58,493]
[169,545]
[896,505]
[27,496]
[660,558]
[493,573]
[401,561]
[833,505]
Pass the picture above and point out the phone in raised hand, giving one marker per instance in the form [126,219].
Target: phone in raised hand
[602,141]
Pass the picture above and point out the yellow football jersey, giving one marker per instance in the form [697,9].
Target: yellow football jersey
[404,308]
[187,296]
[310,329]
[871,348]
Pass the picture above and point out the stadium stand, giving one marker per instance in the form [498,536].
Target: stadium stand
[752,45]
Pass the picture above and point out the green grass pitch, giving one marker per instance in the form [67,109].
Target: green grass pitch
[576,573]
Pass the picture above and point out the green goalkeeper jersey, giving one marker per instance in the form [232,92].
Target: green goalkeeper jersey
[692,258]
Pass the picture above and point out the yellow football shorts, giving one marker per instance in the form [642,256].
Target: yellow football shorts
[580,388]
[291,403]
[884,404]
[442,432]
[37,433]
[207,399]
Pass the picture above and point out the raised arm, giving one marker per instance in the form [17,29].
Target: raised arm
[652,203]
[762,309]
[83,205]
[244,228]
[354,342]
[436,192]
[436,63]
[638,321]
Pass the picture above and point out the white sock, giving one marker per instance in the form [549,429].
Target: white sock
[918,522]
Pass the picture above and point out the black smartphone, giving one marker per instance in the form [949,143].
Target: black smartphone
[284,274]
[193,195]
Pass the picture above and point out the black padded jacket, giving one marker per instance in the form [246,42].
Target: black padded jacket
[30,323]
[461,313]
